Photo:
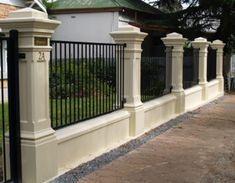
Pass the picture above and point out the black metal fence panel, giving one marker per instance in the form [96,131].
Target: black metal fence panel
[211,64]
[190,67]
[10,152]
[86,81]
[153,76]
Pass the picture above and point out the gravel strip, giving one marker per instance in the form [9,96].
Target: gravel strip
[84,169]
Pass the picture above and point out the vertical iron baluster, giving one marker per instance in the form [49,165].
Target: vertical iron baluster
[89,82]
[82,83]
[106,80]
[70,91]
[56,74]
[118,77]
[61,98]
[86,80]
[115,78]
[2,105]
[108,77]
[51,108]
[113,74]
[100,80]
[74,84]
[103,81]
[122,81]
[93,82]
[97,79]
[78,79]
[65,80]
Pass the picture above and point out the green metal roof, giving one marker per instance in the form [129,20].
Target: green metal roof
[137,5]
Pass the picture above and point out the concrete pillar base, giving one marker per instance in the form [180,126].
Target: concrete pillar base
[39,159]
[204,91]
[221,84]
[136,120]
[180,102]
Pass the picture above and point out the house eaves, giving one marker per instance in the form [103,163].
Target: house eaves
[80,6]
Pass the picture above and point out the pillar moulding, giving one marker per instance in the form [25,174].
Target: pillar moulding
[133,38]
[219,46]
[38,140]
[176,42]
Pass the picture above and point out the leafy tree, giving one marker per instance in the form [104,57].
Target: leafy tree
[213,19]
[49,4]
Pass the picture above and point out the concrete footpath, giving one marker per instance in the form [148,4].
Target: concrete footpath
[198,149]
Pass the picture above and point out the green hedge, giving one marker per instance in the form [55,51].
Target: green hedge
[82,79]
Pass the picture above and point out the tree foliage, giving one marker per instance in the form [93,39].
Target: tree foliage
[213,19]
[48,3]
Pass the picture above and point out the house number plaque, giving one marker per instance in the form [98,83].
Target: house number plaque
[40,41]
[41,57]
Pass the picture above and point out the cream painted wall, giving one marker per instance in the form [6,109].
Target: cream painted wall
[193,98]
[87,27]
[213,89]
[109,131]
[158,111]
[84,141]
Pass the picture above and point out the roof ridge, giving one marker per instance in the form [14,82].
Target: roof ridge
[116,2]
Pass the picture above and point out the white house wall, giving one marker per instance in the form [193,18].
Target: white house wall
[87,27]
[13,2]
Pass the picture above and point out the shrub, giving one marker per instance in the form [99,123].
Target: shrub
[77,79]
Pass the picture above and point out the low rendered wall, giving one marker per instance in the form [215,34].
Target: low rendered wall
[158,111]
[213,89]
[193,98]
[86,140]
[82,142]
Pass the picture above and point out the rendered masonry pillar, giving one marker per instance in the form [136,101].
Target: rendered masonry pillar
[133,38]
[176,41]
[219,46]
[202,44]
[38,140]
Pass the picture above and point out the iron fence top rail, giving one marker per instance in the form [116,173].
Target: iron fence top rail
[88,43]
[4,38]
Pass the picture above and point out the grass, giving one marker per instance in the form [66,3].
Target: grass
[4,122]
[66,111]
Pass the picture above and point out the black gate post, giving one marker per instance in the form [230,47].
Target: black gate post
[14,109]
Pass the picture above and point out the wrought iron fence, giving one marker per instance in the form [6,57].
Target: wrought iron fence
[86,81]
[153,72]
[190,67]
[211,64]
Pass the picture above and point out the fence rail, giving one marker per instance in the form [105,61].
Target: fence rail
[190,67]
[153,71]
[86,81]
[211,64]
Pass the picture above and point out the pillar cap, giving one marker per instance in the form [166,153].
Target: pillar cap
[174,35]
[128,33]
[200,39]
[174,39]
[27,13]
[128,28]
[28,20]
[217,44]
[200,42]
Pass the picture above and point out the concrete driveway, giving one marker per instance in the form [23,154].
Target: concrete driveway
[201,149]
